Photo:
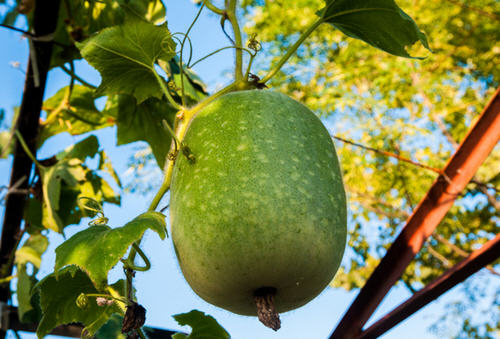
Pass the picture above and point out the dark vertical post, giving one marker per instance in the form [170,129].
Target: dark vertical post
[45,19]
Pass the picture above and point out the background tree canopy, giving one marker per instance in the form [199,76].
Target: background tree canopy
[419,109]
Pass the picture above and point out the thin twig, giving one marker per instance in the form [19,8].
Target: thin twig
[475,9]
[390,154]
[491,199]
[439,256]
[14,188]
[459,251]
[396,212]
[17,29]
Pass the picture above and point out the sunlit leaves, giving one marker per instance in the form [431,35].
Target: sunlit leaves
[32,250]
[5,144]
[204,326]
[78,20]
[67,180]
[97,249]
[28,308]
[86,148]
[125,56]
[380,23]
[72,111]
[58,302]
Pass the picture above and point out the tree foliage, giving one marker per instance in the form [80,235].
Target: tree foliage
[417,109]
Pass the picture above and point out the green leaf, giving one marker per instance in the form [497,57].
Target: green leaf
[112,329]
[86,20]
[144,122]
[98,189]
[32,250]
[380,23]
[204,326]
[98,249]
[6,144]
[152,10]
[106,166]
[88,147]
[75,115]
[125,56]
[69,179]
[28,307]
[51,186]
[33,214]
[58,302]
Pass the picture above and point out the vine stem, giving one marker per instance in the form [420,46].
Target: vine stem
[231,15]
[217,51]
[165,90]
[213,8]
[129,262]
[249,67]
[141,333]
[183,92]
[27,150]
[291,51]
[76,77]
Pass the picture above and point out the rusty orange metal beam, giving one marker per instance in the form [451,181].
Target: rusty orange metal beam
[471,153]
[455,275]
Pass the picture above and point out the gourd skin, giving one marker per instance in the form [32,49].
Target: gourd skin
[262,205]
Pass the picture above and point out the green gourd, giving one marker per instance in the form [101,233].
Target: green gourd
[259,217]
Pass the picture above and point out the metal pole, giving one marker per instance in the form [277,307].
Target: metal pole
[455,275]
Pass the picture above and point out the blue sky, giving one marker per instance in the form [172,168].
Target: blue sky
[163,290]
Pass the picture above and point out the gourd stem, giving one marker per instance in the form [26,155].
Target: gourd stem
[291,51]
[231,15]
[249,67]
[266,311]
